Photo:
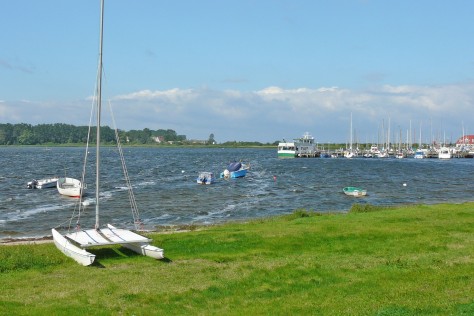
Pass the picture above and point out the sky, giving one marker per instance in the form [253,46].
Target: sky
[247,70]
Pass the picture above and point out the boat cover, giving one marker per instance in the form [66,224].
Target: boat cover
[234,166]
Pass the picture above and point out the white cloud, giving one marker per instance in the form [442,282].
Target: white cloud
[271,113]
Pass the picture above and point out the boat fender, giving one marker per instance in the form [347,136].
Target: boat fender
[226,173]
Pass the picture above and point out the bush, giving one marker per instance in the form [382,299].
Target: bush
[364,208]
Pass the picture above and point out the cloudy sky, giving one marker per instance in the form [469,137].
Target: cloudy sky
[247,70]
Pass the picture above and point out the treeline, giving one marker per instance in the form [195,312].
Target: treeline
[58,133]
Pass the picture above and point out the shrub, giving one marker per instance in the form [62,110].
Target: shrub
[364,208]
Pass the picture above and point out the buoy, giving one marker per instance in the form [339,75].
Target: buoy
[182,171]
[404,184]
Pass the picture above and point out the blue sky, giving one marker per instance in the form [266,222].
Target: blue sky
[245,70]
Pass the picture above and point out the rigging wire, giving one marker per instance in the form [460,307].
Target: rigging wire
[133,204]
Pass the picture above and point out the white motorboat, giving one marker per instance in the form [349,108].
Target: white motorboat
[42,183]
[444,153]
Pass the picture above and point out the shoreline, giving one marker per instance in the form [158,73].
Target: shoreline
[26,241]
[11,241]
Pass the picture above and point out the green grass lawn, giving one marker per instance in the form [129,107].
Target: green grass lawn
[413,260]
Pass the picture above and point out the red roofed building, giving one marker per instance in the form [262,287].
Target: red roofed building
[467,140]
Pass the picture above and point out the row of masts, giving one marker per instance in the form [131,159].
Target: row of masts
[412,138]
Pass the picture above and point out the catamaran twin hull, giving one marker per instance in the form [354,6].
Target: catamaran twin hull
[72,244]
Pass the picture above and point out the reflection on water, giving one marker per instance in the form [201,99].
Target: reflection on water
[164,181]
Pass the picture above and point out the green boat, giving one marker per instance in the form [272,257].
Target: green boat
[354,191]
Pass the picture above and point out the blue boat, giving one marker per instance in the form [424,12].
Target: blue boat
[235,170]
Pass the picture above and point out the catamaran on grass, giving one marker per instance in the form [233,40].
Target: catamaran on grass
[73,244]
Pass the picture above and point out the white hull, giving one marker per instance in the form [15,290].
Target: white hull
[356,193]
[80,255]
[419,155]
[42,184]
[300,147]
[146,250]
[444,153]
[69,187]
[350,154]
[353,191]
[205,178]
[143,248]
[103,237]
[48,183]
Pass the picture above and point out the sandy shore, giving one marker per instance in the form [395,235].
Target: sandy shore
[25,241]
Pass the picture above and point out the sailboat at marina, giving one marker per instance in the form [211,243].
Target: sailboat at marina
[74,244]
[350,153]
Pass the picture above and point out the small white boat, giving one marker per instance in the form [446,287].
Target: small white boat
[350,154]
[205,178]
[42,184]
[354,191]
[400,155]
[444,153]
[419,154]
[70,187]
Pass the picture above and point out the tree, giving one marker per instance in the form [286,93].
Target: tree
[211,140]
[27,137]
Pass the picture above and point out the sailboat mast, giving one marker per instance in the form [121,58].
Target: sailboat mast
[351,134]
[99,105]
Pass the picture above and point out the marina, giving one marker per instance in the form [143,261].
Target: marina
[306,147]
[164,182]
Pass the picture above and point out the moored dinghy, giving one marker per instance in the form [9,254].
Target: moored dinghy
[235,170]
[354,191]
[73,244]
[70,187]
[205,178]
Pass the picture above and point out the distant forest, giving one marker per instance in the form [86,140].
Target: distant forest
[26,134]
[65,134]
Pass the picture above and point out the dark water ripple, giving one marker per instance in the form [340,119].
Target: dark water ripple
[167,193]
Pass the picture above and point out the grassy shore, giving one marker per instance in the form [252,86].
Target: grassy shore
[413,260]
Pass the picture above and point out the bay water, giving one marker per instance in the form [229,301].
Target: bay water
[164,183]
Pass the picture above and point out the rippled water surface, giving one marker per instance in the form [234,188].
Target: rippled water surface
[164,181]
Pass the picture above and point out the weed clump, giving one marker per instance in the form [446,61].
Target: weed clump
[365,208]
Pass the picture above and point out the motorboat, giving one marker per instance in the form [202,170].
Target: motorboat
[205,177]
[419,154]
[444,153]
[42,184]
